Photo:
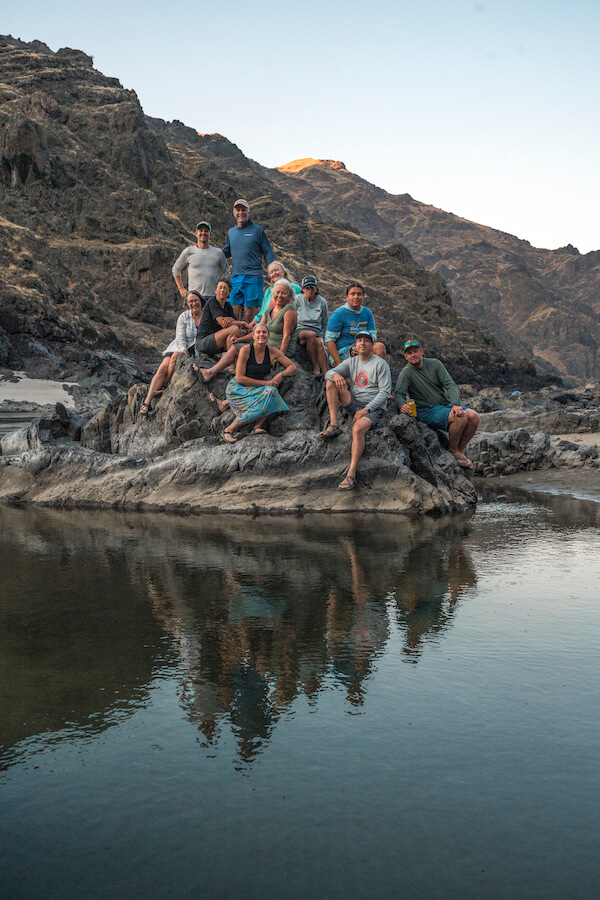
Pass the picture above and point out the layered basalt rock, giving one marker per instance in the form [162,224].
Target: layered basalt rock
[174,459]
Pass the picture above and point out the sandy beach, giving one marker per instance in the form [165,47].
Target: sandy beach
[36,390]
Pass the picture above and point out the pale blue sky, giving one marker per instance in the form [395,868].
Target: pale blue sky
[486,109]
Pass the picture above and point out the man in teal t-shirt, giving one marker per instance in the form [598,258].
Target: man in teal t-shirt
[428,383]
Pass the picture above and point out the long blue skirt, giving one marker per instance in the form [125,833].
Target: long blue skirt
[250,403]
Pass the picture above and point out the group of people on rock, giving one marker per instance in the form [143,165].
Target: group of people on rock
[234,323]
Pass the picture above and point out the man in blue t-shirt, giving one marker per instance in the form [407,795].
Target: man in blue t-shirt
[247,244]
[346,322]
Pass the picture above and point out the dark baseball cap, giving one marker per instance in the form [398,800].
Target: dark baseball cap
[411,345]
[309,281]
[366,334]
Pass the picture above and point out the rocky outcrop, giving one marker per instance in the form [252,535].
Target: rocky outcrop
[508,452]
[175,460]
[555,412]
[542,303]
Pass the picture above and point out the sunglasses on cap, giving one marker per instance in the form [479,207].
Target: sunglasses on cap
[411,345]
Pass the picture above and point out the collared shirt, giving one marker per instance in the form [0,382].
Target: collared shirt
[185,334]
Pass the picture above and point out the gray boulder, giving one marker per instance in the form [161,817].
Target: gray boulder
[508,452]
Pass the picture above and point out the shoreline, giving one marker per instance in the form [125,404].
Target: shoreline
[575,483]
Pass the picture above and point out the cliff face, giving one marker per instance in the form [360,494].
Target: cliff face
[542,303]
[98,200]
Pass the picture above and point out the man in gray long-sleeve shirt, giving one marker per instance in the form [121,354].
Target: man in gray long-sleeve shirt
[205,265]
[428,383]
[365,400]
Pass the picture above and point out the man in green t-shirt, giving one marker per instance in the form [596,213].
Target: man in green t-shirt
[428,383]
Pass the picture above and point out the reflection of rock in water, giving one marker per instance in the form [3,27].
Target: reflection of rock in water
[435,578]
[259,612]
[78,640]
[267,620]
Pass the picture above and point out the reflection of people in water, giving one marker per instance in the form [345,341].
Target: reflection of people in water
[244,649]
[436,577]
[357,626]
[255,628]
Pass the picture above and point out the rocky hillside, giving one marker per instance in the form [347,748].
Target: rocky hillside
[97,201]
[543,303]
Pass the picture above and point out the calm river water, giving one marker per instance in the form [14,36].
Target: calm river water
[267,708]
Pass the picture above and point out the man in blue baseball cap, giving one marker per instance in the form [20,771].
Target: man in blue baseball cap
[365,400]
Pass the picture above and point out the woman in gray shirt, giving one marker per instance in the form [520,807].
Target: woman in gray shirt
[313,316]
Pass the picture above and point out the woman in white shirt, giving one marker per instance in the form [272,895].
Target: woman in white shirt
[185,342]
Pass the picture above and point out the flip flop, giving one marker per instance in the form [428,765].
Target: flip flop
[229,437]
[463,462]
[330,432]
[348,484]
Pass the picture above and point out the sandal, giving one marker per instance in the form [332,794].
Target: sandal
[229,437]
[348,484]
[145,409]
[258,431]
[463,462]
[330,432]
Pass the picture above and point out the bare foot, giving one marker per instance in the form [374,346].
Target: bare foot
[222,404]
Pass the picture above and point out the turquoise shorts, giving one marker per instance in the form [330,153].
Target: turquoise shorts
[344,352]
[246,290]
[435,416]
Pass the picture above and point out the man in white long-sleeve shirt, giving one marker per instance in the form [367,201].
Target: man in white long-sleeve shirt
[366,398]
[205,265]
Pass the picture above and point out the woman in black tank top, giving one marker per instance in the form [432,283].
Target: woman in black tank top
[253,393]
[256,370]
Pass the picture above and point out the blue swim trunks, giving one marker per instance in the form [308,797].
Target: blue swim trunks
[435,416]
[246,290]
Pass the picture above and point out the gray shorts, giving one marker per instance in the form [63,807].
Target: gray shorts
[373,414]
[207,345]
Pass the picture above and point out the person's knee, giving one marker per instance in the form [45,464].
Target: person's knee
[379,349]
[473,417]
[362,426]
